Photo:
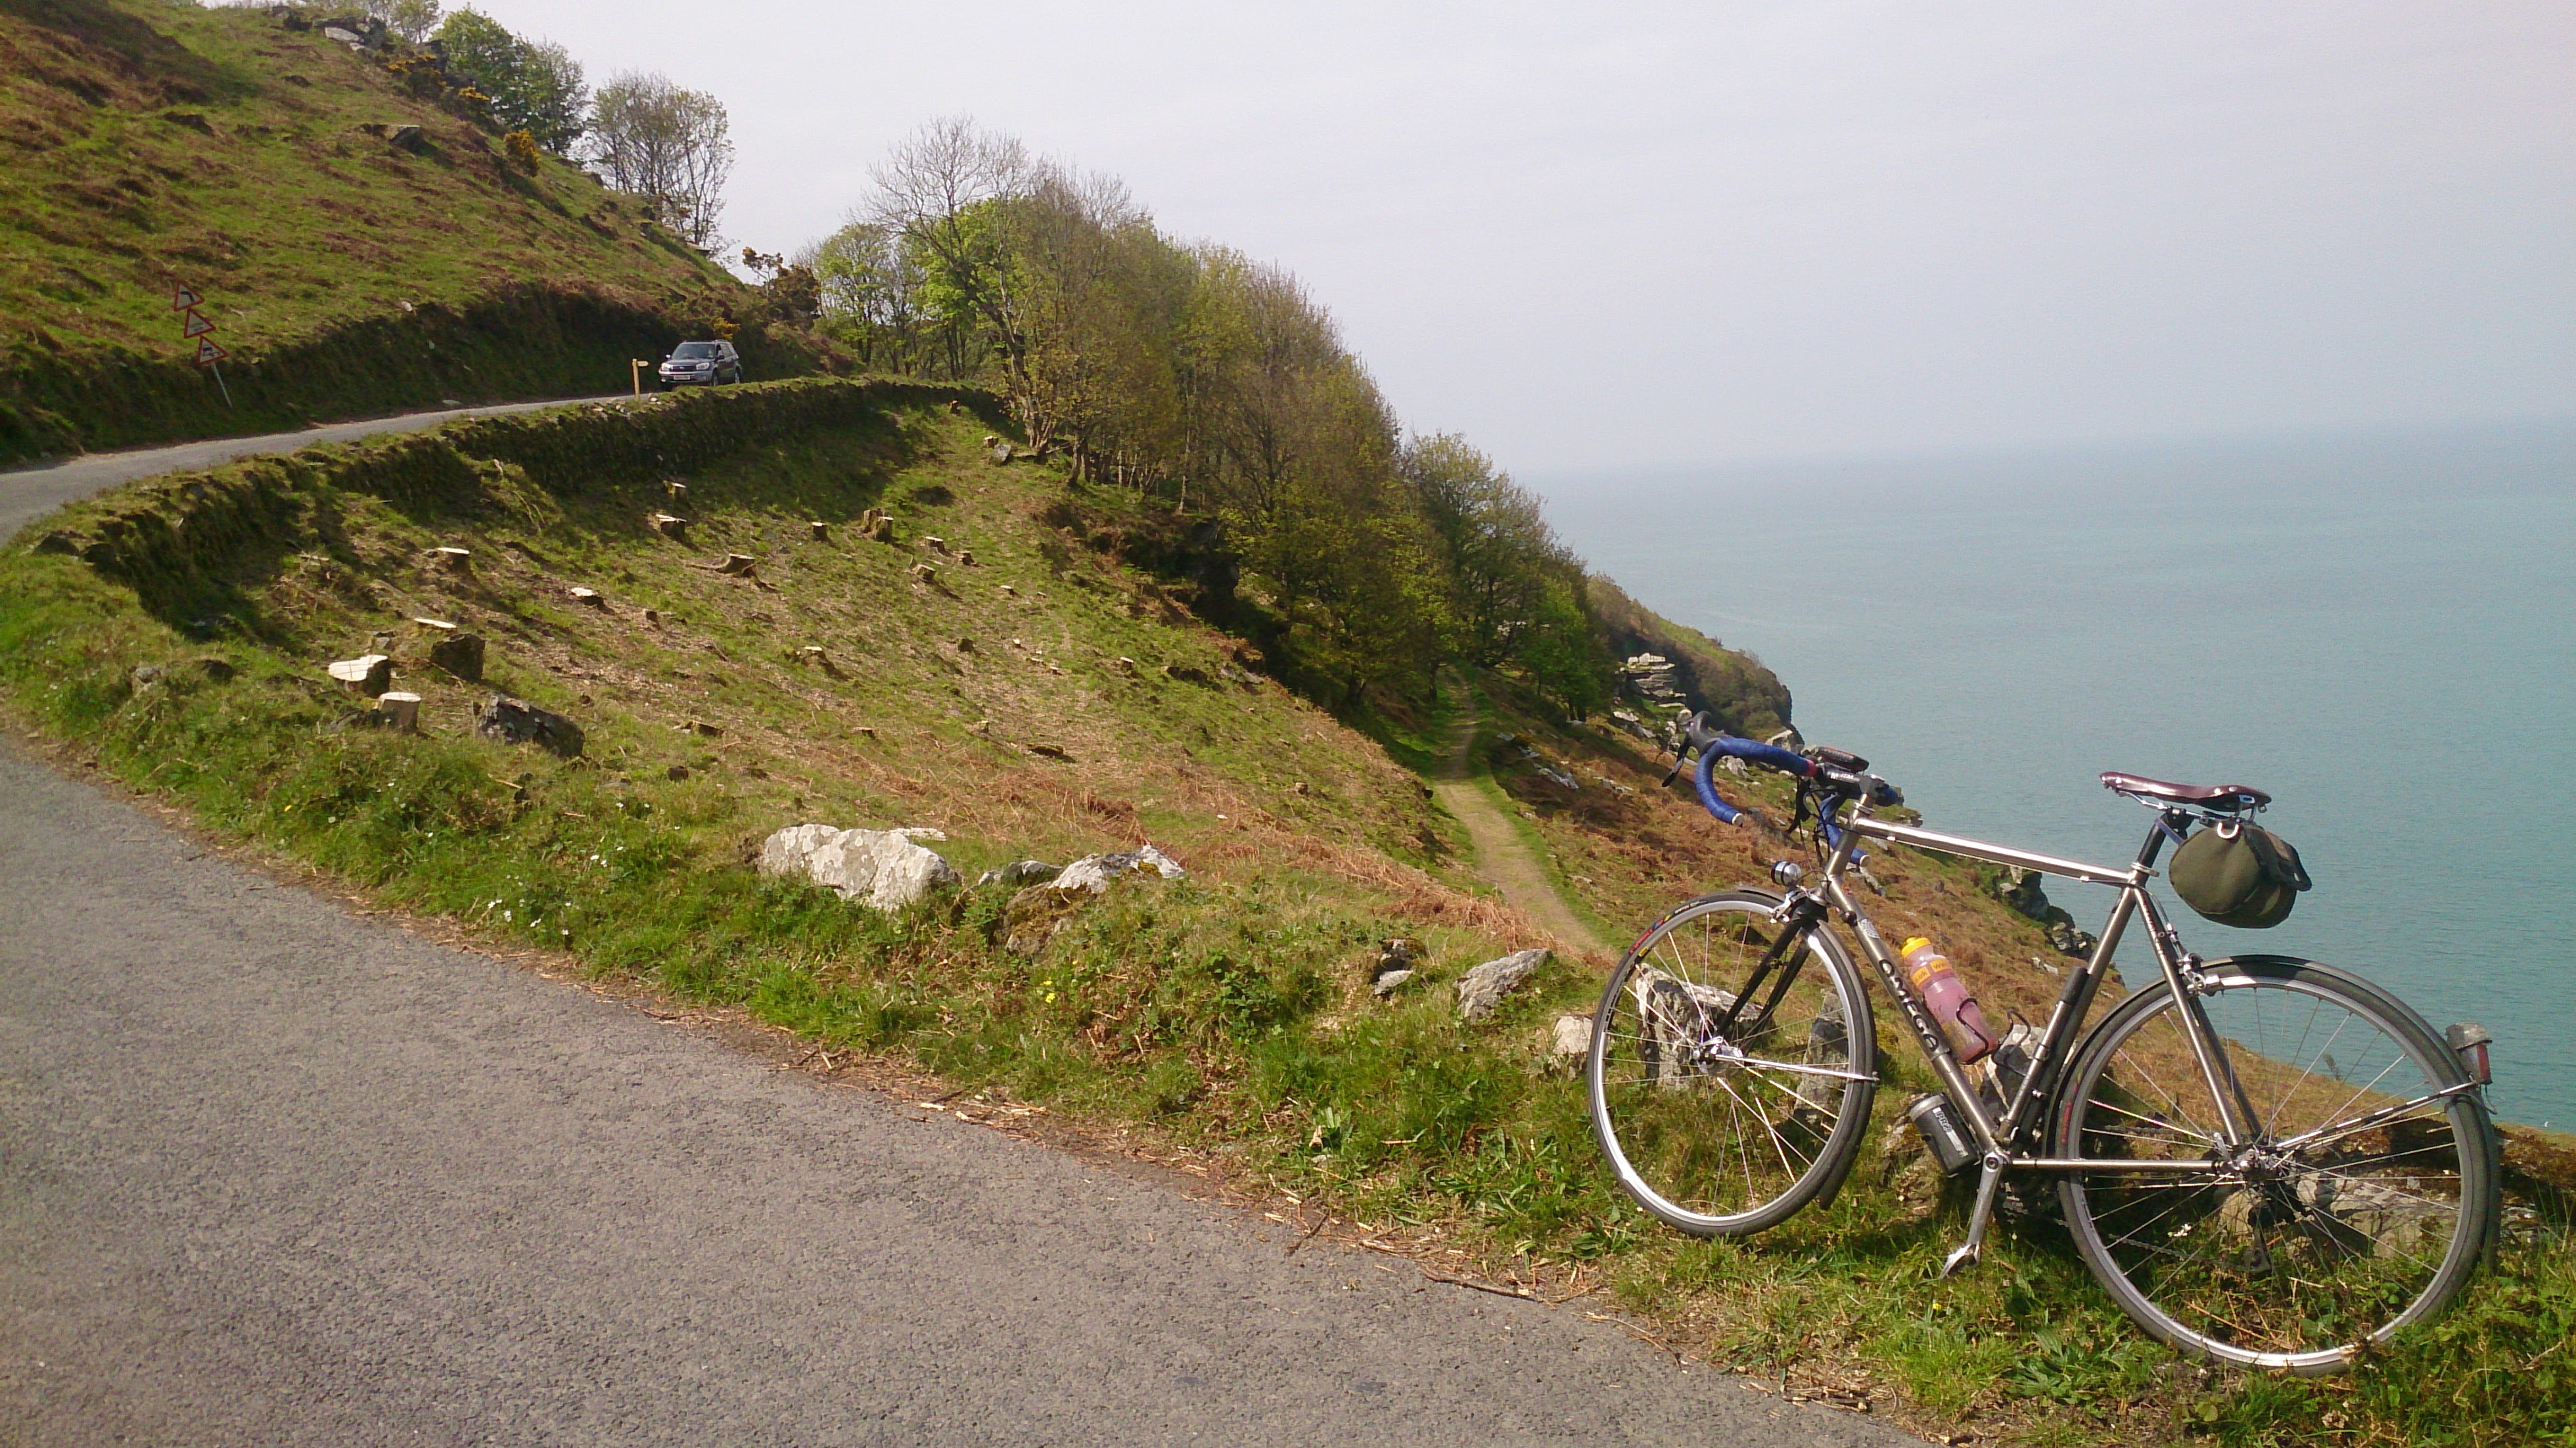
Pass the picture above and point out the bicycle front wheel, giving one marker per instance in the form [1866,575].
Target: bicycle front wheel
[2355,1201]
[1731,1070]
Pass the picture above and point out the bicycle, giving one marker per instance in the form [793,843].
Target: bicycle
[2264,1160]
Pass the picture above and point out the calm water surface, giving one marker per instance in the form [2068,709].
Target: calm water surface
[2379,631]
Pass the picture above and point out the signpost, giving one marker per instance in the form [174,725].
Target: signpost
[185,301]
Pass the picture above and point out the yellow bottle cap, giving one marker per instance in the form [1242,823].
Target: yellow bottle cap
[1912,945]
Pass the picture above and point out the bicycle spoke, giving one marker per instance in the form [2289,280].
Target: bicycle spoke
[2323,1052]
[2330,1227]
[1721,1122]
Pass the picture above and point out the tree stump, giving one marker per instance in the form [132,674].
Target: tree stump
[367,674]
[460,654]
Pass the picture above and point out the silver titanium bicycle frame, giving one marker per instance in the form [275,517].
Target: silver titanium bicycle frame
[2006,1141]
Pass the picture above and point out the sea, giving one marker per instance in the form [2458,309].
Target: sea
[2379,630]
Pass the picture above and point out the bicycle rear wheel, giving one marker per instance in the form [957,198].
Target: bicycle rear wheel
[1720,1118]
[2358,1207]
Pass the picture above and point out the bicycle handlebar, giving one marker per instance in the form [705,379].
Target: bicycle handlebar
[1769,756]
[1713,746]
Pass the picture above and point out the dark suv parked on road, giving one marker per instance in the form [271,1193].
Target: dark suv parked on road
[708,362]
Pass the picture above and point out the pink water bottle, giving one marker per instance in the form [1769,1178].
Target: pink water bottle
[1948,998]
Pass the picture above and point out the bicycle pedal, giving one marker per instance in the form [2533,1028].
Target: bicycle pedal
[1966,1255]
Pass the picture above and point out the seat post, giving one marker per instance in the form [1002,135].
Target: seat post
[2167,821]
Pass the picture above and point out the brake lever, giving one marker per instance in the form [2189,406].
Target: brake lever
[1676,771]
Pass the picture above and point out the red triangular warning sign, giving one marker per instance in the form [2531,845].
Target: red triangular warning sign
[181,298]
[197,326]
[208,353]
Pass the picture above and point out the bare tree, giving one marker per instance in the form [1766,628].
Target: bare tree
[655,139]
[934,195]
[942,171]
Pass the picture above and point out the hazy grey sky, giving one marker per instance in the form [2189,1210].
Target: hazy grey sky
[1612,235]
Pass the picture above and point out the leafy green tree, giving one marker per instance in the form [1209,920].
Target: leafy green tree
[1201,376]
[1097,290]
[869,298]
[534,85]
[413,20]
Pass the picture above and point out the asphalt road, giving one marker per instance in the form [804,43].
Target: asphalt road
[29,492]
[275,1173]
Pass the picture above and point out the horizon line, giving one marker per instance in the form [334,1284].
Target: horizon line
[2045,448]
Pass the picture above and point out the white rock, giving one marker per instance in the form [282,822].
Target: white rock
[1571,1036]
[885,869]
[1094,872]
[1482,989]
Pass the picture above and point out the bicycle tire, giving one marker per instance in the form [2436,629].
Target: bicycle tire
[1681,1112]
[2332,1231]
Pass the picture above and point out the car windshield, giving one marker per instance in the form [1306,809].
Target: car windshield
[694,352]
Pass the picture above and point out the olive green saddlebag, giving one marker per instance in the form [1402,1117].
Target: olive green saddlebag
[2240,875]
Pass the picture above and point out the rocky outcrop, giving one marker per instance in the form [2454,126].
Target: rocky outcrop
[1649,679]
[1038,913]
[1482,989]
[1094,872]
[883,869]
[1397,961]
[2021,890]
[1683,666]
[1018,875]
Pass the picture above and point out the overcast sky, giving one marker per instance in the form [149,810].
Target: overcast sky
[1595,235]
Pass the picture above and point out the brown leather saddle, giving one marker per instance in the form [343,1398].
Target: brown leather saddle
[2198,796]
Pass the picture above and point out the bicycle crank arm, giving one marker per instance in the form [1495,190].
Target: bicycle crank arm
[1978,1216]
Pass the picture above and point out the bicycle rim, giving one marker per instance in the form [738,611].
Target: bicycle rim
[2358,1207]
[1722,1120]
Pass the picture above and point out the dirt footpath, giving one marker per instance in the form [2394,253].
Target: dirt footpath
[1502,856]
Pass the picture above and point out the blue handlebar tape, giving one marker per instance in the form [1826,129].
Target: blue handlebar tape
[1726,813]
[1769,756]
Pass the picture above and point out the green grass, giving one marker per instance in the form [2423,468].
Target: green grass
[148,142]
[1226,1013]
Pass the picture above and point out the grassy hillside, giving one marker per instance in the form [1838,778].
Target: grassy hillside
[1740,694]
[150,142]
[1044,699]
